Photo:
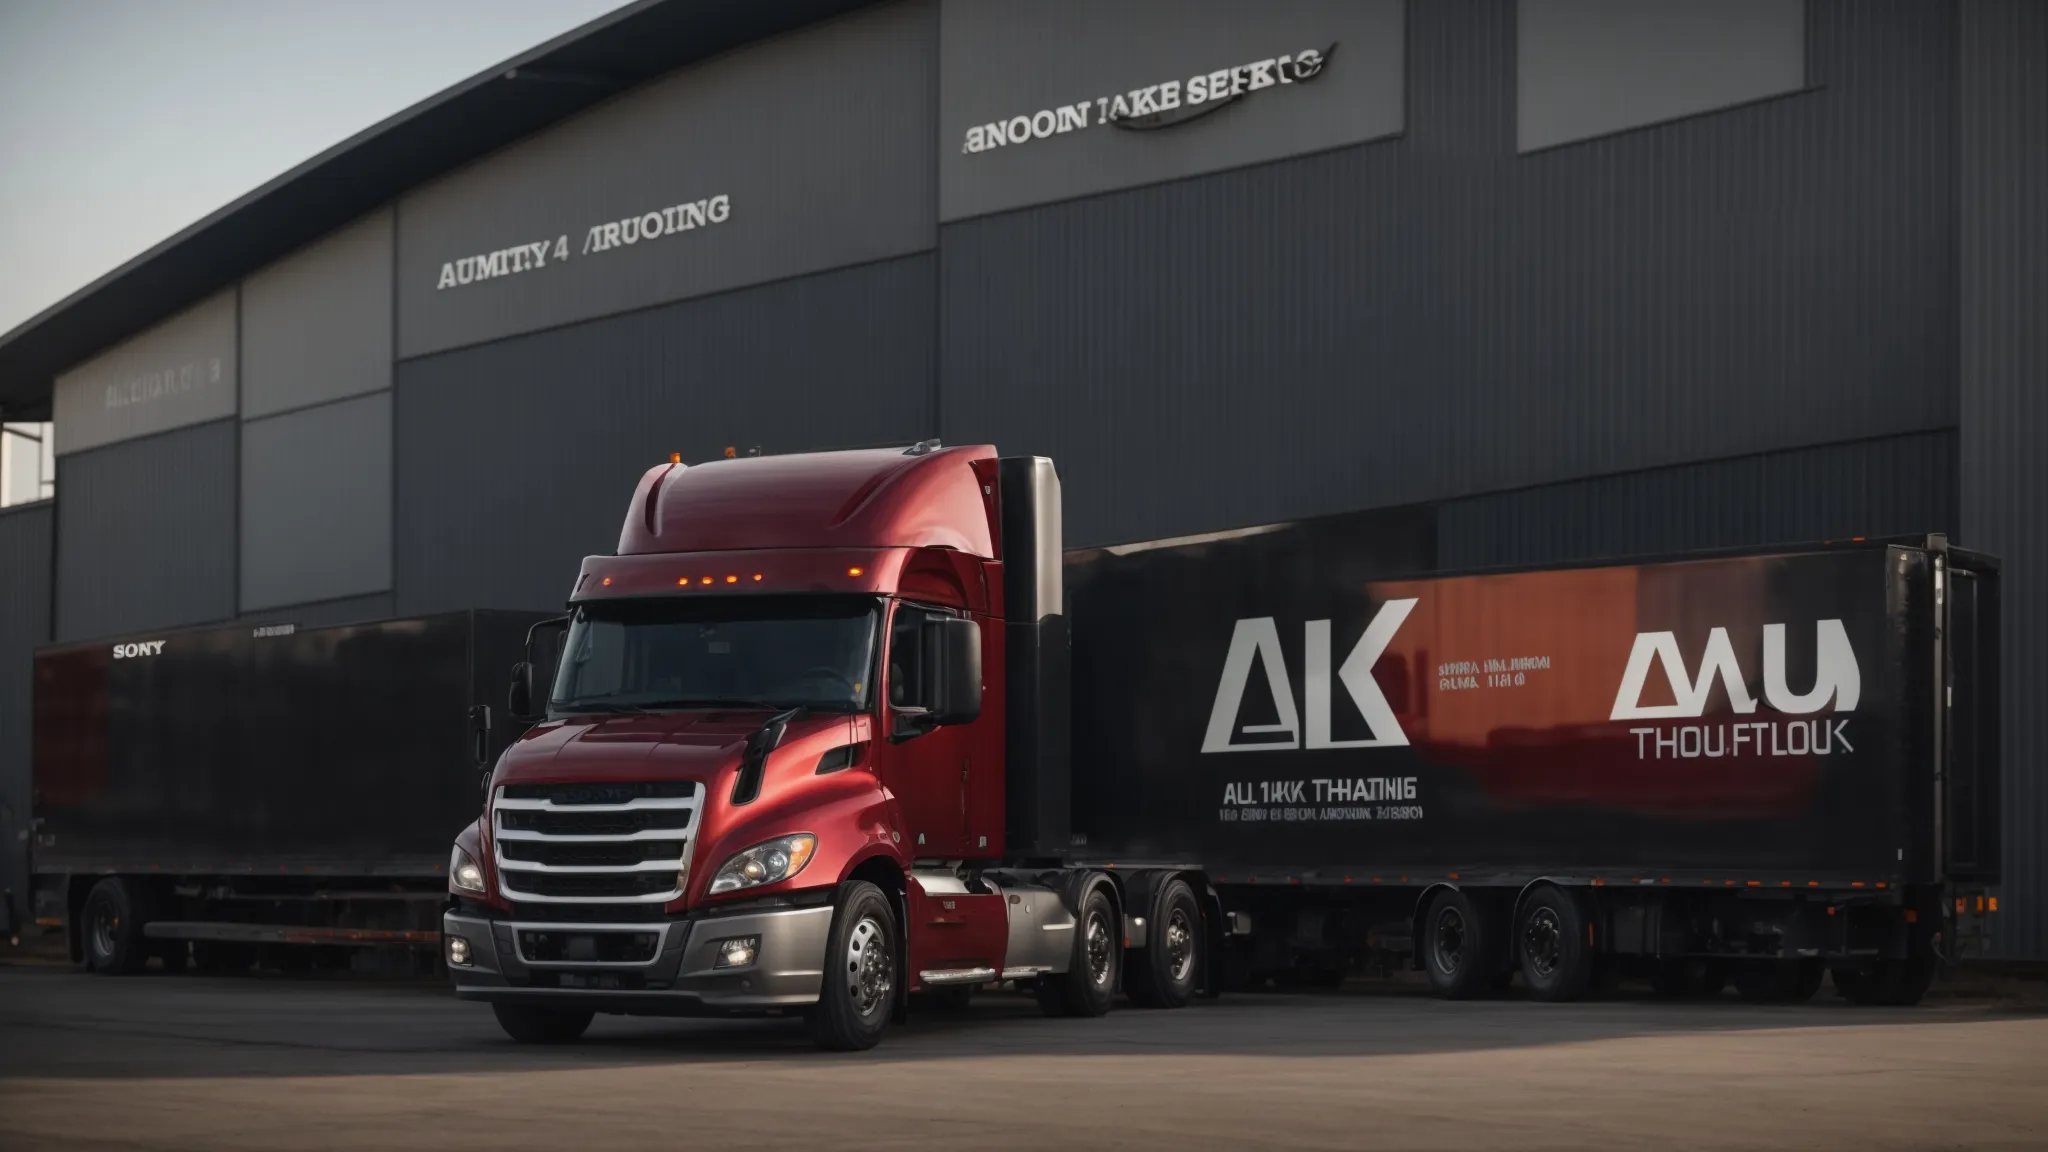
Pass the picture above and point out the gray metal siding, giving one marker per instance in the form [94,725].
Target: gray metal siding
[1897,486]
[351,610]
[1004,65]
[179,373]
[146,533]
[2004,294]
[515,459]
[1435,316]
[821,140]
[25,542]
[316,503]
[316,325]
[1585,68]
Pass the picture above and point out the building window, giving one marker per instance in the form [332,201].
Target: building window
[1589,68]
[28,464]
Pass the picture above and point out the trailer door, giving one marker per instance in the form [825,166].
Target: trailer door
[1971,725]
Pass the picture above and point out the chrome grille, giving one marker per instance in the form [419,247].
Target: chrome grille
[593,843]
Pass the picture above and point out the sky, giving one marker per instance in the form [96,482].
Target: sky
[123,121]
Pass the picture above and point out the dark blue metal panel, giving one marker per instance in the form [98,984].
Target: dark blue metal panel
[1435,316]
[2004,298]
[146,533]
[26,535]
[515,459]
[1896,486]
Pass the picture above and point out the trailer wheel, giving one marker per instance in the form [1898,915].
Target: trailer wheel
[532,1024]
[1457,947]
[112,922]
[1163,974]
[1894,983]
[858,994]
[1089,983]
[1550,938]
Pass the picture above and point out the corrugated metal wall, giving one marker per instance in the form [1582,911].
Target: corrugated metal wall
[146,533]
[1435,316]
[1895,486]
[515,458]
[25,543]
[2004,293]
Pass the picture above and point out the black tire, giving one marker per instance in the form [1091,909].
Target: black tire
[111,924]
[1457,946]
[1164,973]
[1551,944]
[222,956]
[1892,984]
[533,1024]
[1851,984]
[857,996]
[951,999]
[1088,985]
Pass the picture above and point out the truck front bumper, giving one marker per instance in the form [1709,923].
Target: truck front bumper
[681,978]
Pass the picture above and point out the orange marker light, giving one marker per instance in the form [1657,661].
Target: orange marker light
[675,457]
[732,579]
[683,581]
[607,581]
[707,580]
[757,577]
[1991,904]
[730,452]
[855,571]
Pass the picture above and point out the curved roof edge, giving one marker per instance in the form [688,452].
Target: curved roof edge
[618,51]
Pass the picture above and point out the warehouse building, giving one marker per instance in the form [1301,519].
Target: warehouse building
[1584,278]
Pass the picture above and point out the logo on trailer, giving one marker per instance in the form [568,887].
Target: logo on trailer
[137,651]
[1258,640]
[1836,676]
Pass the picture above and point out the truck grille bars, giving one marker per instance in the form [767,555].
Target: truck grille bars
[594,844]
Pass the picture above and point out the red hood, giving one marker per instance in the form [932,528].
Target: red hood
[668,746]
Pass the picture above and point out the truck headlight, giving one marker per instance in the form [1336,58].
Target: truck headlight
[765,863]
[463,873]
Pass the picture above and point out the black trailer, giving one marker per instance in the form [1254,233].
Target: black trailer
[248,787]
[1761,766]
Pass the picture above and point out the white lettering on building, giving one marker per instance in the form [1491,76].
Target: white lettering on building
[1168,102]
[641,227]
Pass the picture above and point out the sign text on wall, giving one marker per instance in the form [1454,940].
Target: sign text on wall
[1155,106]
[606,237]
[157,385]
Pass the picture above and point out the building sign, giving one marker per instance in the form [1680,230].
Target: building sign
[645,227]
[181,372]
[170,381]
[1161,105]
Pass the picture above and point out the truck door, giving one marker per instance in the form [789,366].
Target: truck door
[927,772]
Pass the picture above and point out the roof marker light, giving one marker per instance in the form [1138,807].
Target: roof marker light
[757,577]
[855,571]
[731,452]
[682,581]
[707,580]
[607,581]
[732,579]
[675,457]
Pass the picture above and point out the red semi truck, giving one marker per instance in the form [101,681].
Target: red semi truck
[816,743]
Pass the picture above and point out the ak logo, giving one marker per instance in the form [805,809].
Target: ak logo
[1836,676]
[1257,640]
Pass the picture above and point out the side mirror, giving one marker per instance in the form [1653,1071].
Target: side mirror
[952,666]
[519,701]
[480,734]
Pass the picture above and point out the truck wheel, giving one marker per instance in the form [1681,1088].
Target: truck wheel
[1089,983]
[112,924]
[1162,974]
[1557,959]
[1456,947]
[1899,983]
[858,994]
[530,1024]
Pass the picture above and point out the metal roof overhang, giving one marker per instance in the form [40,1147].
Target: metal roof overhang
[618,51]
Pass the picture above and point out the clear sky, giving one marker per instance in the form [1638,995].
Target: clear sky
[123,121]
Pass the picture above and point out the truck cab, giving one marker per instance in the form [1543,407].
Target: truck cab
[773,769]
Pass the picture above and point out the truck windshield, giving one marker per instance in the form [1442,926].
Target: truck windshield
[756,651]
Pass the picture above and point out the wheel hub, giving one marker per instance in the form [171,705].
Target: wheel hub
[1450,941]
[870,974]
[1542,938]
[1099,949]
[1180,945]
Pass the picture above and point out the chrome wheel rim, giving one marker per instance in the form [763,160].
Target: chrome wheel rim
[1100,949]
[1180,945]
[105,923]
[1543,940]
[870,972]
[1449,948]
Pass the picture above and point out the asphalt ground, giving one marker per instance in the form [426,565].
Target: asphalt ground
[270,1062]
